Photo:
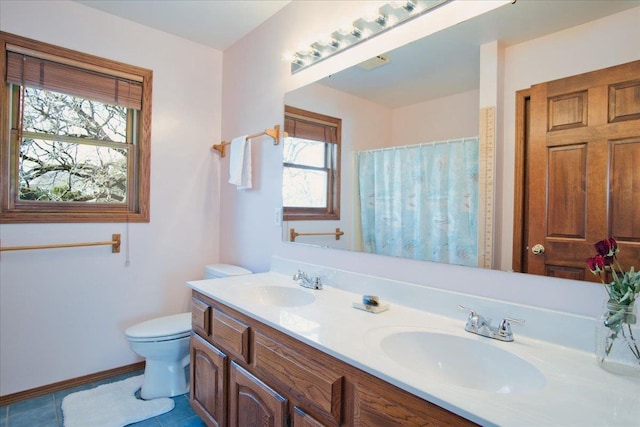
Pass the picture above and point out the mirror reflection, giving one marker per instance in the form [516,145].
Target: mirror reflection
[410,125]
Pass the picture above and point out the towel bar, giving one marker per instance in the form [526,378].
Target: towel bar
[293,234]
[114,243]
[273,133]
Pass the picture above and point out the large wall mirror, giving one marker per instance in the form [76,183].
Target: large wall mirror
[418,102]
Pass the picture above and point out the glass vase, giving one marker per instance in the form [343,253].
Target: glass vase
[618,339]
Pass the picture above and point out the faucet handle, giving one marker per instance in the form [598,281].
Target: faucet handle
[471,311]
[474,321]
[504,329]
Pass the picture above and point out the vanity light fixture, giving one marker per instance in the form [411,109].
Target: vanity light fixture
[373,23]
[409,6]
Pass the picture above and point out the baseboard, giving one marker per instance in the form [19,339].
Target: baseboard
[73,382]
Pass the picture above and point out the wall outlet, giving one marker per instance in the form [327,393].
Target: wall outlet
[278,216]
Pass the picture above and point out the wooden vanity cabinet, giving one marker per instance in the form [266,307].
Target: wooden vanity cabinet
[247,374]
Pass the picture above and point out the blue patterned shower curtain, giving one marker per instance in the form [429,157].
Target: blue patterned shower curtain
[421,201]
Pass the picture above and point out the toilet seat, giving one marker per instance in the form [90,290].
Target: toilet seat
[161,329]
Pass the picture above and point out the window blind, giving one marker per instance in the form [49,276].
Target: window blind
[311,125]
[58,77]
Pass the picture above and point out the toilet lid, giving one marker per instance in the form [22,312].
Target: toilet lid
[168,327]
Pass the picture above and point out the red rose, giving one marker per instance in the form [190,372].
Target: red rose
[596,264]
[607,248]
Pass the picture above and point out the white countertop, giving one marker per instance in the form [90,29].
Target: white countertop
[577,391]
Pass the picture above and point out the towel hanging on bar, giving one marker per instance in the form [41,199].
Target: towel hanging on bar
[240,163]
[273,133]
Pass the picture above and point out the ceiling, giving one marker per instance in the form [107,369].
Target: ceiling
[448,62]
[215,23]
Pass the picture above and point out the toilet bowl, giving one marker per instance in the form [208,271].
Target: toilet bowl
[164,343]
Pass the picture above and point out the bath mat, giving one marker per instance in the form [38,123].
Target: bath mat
[112,405]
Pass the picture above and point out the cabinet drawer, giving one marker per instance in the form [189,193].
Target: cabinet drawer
[316,387]
[200,316]
[231,334]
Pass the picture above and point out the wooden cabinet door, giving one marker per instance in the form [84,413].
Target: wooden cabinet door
[208,371]
[584,170]
[302,419]
[252,403]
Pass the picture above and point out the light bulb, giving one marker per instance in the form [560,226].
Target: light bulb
[371,14]
[407,5]
[288,57]
[328,41]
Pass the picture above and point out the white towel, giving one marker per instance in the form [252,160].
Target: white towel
[240,163]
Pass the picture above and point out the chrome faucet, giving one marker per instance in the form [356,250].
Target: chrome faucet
[306,281]
[476,324]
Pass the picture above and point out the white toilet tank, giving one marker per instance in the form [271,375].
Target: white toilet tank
[217,271]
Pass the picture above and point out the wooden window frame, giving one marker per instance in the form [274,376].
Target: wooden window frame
[137,208]
[331,136]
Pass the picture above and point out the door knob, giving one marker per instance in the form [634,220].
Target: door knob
[537,249]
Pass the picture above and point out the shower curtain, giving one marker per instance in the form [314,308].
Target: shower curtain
[421,201]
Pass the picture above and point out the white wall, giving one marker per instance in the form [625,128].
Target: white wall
[63,312]
[450,117]
[254,84]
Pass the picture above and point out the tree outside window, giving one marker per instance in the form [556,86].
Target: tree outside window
[72,149]
[75,145]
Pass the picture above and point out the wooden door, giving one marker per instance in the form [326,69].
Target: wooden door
[208,371]
[583,170]
[252,403]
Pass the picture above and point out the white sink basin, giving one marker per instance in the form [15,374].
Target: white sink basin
[460,361]
[282,296]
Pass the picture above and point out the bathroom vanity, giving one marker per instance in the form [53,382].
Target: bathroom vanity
[264,348]
[243,370]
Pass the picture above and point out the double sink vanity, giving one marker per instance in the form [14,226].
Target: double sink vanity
[266,348]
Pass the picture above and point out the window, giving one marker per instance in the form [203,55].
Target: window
[311,171]
[75,140]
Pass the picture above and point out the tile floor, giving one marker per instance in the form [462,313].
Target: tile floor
[44,411]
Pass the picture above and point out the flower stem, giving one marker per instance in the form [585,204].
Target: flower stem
[631,342]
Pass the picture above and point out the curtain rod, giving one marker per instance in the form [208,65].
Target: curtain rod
[404,147]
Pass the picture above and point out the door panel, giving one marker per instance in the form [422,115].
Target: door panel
[625,220]
[583,170]
[568,111]
[567,173]
[623,101]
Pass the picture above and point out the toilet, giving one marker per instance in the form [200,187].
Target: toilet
[164,343]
